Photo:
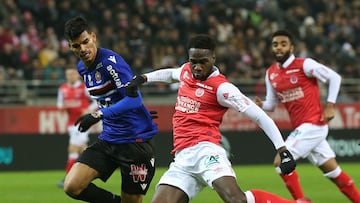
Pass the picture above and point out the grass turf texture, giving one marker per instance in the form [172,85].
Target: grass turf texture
[40,186]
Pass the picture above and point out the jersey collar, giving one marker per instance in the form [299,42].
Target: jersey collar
[288,61]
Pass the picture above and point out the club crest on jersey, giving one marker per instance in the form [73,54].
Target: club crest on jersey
[138,173]
[199,92]
[293,79]
[98,77]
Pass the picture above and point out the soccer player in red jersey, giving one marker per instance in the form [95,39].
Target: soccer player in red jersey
[204,96]
[75,100]
[294,82]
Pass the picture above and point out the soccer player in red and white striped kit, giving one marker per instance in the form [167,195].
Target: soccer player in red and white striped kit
[74,98]
[294,81]
[204,96]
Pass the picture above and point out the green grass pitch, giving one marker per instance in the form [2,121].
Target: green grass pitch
[40,186]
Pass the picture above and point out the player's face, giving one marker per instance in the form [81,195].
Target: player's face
[201,62]
[281,48]
[72,76]
[85,47]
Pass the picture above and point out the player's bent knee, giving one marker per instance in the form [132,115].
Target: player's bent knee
[72,189]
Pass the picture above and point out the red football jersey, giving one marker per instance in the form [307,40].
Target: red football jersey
[197,112]
[300,94]
[74,100]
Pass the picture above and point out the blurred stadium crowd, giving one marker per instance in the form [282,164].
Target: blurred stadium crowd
[153,33]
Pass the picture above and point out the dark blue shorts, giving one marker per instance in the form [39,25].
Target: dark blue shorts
[135,160]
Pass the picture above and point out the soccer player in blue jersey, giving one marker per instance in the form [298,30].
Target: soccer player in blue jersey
[125,141]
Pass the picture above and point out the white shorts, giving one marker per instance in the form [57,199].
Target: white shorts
[196,167]
[309,141]
[77,138]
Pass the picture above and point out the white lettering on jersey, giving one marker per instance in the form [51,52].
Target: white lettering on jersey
[185,104]
[290,95]
[90,82]
[204,86]
[292,71]
[115,76]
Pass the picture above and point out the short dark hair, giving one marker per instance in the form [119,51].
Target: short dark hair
[283,33]
[202,41]
[74,27]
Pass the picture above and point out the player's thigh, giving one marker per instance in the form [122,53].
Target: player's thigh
[168,194]
[323,155]
[177,180]
[98,156]
[79,178]
[304,139]
[228,189]
[137,164]
[133,198]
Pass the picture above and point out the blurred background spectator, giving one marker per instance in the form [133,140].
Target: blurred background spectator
[152,34]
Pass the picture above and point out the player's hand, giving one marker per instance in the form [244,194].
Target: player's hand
[87,120]
[132,86]
[328,113]
[154,114]
[287,163]
[258,102]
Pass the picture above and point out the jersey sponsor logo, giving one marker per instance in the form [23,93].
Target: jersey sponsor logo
[295,133]
[185,104]
[138,173]
[292,71]
[112,58]
[204,86]
[199,92]
[72,103]
[293,79]
[211,159]
[291,95]
[115,76]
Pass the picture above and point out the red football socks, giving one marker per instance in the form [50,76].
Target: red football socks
[292,183]
[347,186]
[266,197]
[69,164]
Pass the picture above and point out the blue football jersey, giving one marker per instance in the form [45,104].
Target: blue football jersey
[106,81]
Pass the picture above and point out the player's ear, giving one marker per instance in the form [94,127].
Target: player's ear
[93,36]
[292,48]
[213,58]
